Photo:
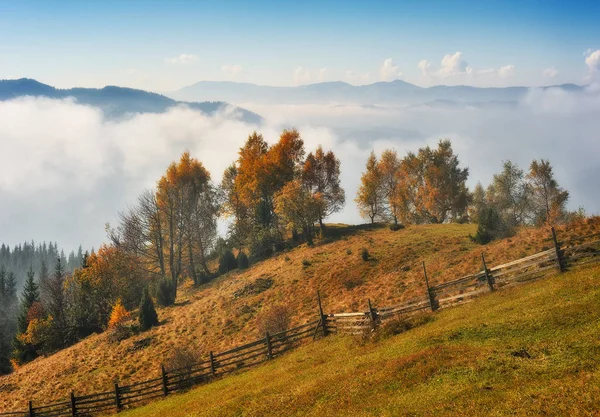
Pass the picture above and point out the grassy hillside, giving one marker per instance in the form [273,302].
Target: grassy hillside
[530,350]
[223,313]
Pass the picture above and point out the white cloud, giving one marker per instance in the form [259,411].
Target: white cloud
[182,59]
[231,70]
[301,76]
[453,67]
[304,76]
[506,71]
[549,72]
[322,75]
[86,168]
[424,66]
[592,60]
[357,78]
[389,71]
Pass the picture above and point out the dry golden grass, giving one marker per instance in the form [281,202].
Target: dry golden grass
[211,318]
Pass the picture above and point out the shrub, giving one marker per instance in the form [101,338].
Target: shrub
[305,263]
[165,292]
[182,361]
[242,260]
[490,227]
[227,261]
[147,314]
[119,334]
[274,319]
[348,251]
[394,227]
[262,244]
[364,254]
[352,282]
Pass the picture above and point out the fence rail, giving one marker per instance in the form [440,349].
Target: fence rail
[577,251]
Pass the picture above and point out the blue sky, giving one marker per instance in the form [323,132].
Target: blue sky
[163,46]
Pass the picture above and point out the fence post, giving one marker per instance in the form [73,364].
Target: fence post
[559,260]
[31,414]
[269,347]
[164,380]
[372,313]
[212,364]
[429,292]
[323,317]
[117,397]
[489,279]
[73,405]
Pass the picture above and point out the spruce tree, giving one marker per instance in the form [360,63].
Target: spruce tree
[147,313]
[30,295]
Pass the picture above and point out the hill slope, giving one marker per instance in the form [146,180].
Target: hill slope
[223,313]
[529,350]
[115,101]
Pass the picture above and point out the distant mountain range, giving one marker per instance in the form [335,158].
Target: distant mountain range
[115,102]
[388,93]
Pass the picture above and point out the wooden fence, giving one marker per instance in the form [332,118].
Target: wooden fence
[577,251]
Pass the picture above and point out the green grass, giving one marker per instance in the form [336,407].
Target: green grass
[460,363]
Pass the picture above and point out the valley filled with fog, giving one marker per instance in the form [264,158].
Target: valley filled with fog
[66,169]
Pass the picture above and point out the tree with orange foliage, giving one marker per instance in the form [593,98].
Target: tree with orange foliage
[110,274]
[118,315]
[188,203]
[298,208]
[548,199]
[388,168]
[368,198]
[321,176]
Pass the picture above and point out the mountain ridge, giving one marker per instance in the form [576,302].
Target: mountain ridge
[116,101]
[381,92]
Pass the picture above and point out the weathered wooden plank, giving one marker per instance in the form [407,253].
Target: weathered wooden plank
[139,400]
[343,315]
[239,348]
[241,360]
[259,348]
[464,295]
[459,281]
[522,260]
[97,395]
[125,398]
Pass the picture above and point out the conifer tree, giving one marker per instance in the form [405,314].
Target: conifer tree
[147,313]
[30,295]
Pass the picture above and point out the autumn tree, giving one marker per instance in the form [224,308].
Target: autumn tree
[442,194]
[510,195]
[321,177]
[171,232]
[388,167]
[249,188]
[232,207]
[188,202]
[298,207]
[368,198]
[548,199]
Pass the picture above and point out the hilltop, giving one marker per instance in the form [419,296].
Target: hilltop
[222,313]
[117,101]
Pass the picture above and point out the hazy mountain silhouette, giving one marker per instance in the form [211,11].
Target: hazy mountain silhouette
[392,93]
[115,101]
